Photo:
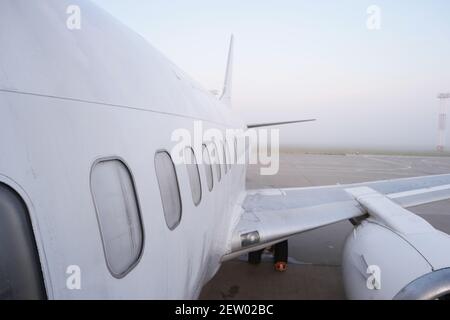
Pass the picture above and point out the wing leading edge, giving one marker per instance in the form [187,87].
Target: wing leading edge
[273,215]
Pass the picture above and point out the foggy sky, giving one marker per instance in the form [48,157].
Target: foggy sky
[301,59]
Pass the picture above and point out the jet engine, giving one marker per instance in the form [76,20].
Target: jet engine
[379,263]
[395,254]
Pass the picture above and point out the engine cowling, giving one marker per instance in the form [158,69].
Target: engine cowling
[381,263]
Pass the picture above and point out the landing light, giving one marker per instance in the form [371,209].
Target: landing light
[250,238]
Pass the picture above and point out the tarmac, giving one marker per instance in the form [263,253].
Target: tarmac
[314,271]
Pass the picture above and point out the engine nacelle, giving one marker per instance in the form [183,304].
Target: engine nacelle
[380,263]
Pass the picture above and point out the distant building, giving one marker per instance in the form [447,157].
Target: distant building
[444,99]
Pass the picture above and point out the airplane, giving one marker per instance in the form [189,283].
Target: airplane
[93,207]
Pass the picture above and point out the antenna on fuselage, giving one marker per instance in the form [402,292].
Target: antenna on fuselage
[227,86]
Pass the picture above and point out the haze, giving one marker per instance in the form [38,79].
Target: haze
[369,89]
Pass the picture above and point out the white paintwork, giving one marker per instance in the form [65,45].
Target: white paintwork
[279,213]
[372,244]
[403,245]
[432,244]
[276,225]
[71,97]
[68,98]
[421,196]
[419,191]
[391,214]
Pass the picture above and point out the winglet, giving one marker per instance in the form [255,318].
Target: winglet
[227,86]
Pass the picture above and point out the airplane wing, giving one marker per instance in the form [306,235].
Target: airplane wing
[272,215]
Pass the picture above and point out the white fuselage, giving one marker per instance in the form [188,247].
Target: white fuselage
[69,98]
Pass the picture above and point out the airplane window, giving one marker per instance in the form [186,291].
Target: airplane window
[118,215]
[224,157]
[235,151]
[247,149]
[208,168]
[169,189]
[216,159]
[194,175]
[228,156]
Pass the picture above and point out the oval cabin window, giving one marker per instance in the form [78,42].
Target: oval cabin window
[216,158]
[208,168]
[194,175]
[169,189]
[118,215]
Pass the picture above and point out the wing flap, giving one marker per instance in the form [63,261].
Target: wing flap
[418,197]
